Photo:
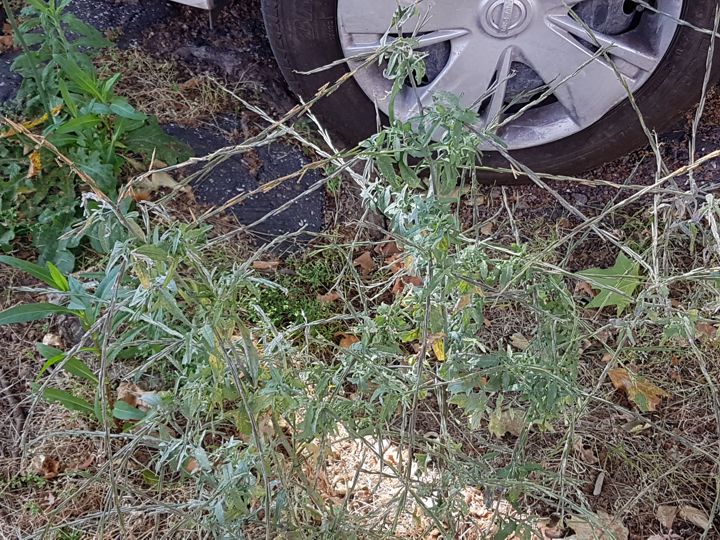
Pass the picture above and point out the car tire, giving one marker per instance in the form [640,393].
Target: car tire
[304,37]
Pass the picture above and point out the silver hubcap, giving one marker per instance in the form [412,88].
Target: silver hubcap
[499,55]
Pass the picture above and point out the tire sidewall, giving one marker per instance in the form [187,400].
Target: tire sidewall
[304,36]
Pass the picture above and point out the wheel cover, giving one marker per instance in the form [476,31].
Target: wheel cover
[579,69]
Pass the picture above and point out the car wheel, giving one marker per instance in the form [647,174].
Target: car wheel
[498,56]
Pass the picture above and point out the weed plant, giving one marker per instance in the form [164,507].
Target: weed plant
[246,396]
[70,110]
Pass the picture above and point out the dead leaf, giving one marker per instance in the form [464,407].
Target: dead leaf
[464,301]
[509,421]
[477,201]
[666,515]
[605,528]
[52,340]
[35,164]
[487,229]
[45,466]
[695,516]
[328,298]
[519,341]
[400,283]
[86,464]
[191,83]
[639,390]
[388,249]
[191,465]
[135,396]
[438,346]
[706,331]
[6,40]
[583,451]
[347,340]
[365,262]
[265,265]
[584,287]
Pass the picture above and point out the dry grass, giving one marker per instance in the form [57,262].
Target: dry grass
[160,88]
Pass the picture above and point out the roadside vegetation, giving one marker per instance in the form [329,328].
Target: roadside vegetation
[414,372]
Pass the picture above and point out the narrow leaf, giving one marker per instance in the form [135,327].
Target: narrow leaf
[35,270]
[67,400]
[125,411]
[30,312]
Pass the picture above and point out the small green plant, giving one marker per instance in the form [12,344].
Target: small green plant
[65,109]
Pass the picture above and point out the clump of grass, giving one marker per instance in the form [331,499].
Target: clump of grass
[159,88]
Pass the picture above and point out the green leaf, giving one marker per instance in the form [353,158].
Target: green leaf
[123,109]
[67,98]
[59,281]
[81,123]
[89,36]
[35,270]
[85,81]
[73,365]
[30,312]
[151,138]
[125,411]
[48,352]
[69,401]
[615,285]
[77,367]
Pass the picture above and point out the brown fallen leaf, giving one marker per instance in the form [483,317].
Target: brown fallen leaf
[585,288]
[191,465]
[6,40]
[605,528]
[487,229]
[53,340]
[265,265]
[365,262]
[480,200]
[400,284]
[398,263]
[85,464]
[583,451]
[388,249]
[519,341]
[695,516]
[328,298]
[45,466]
[706,331]
[347,340]
[639,390]
[135,396]
[666,514]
